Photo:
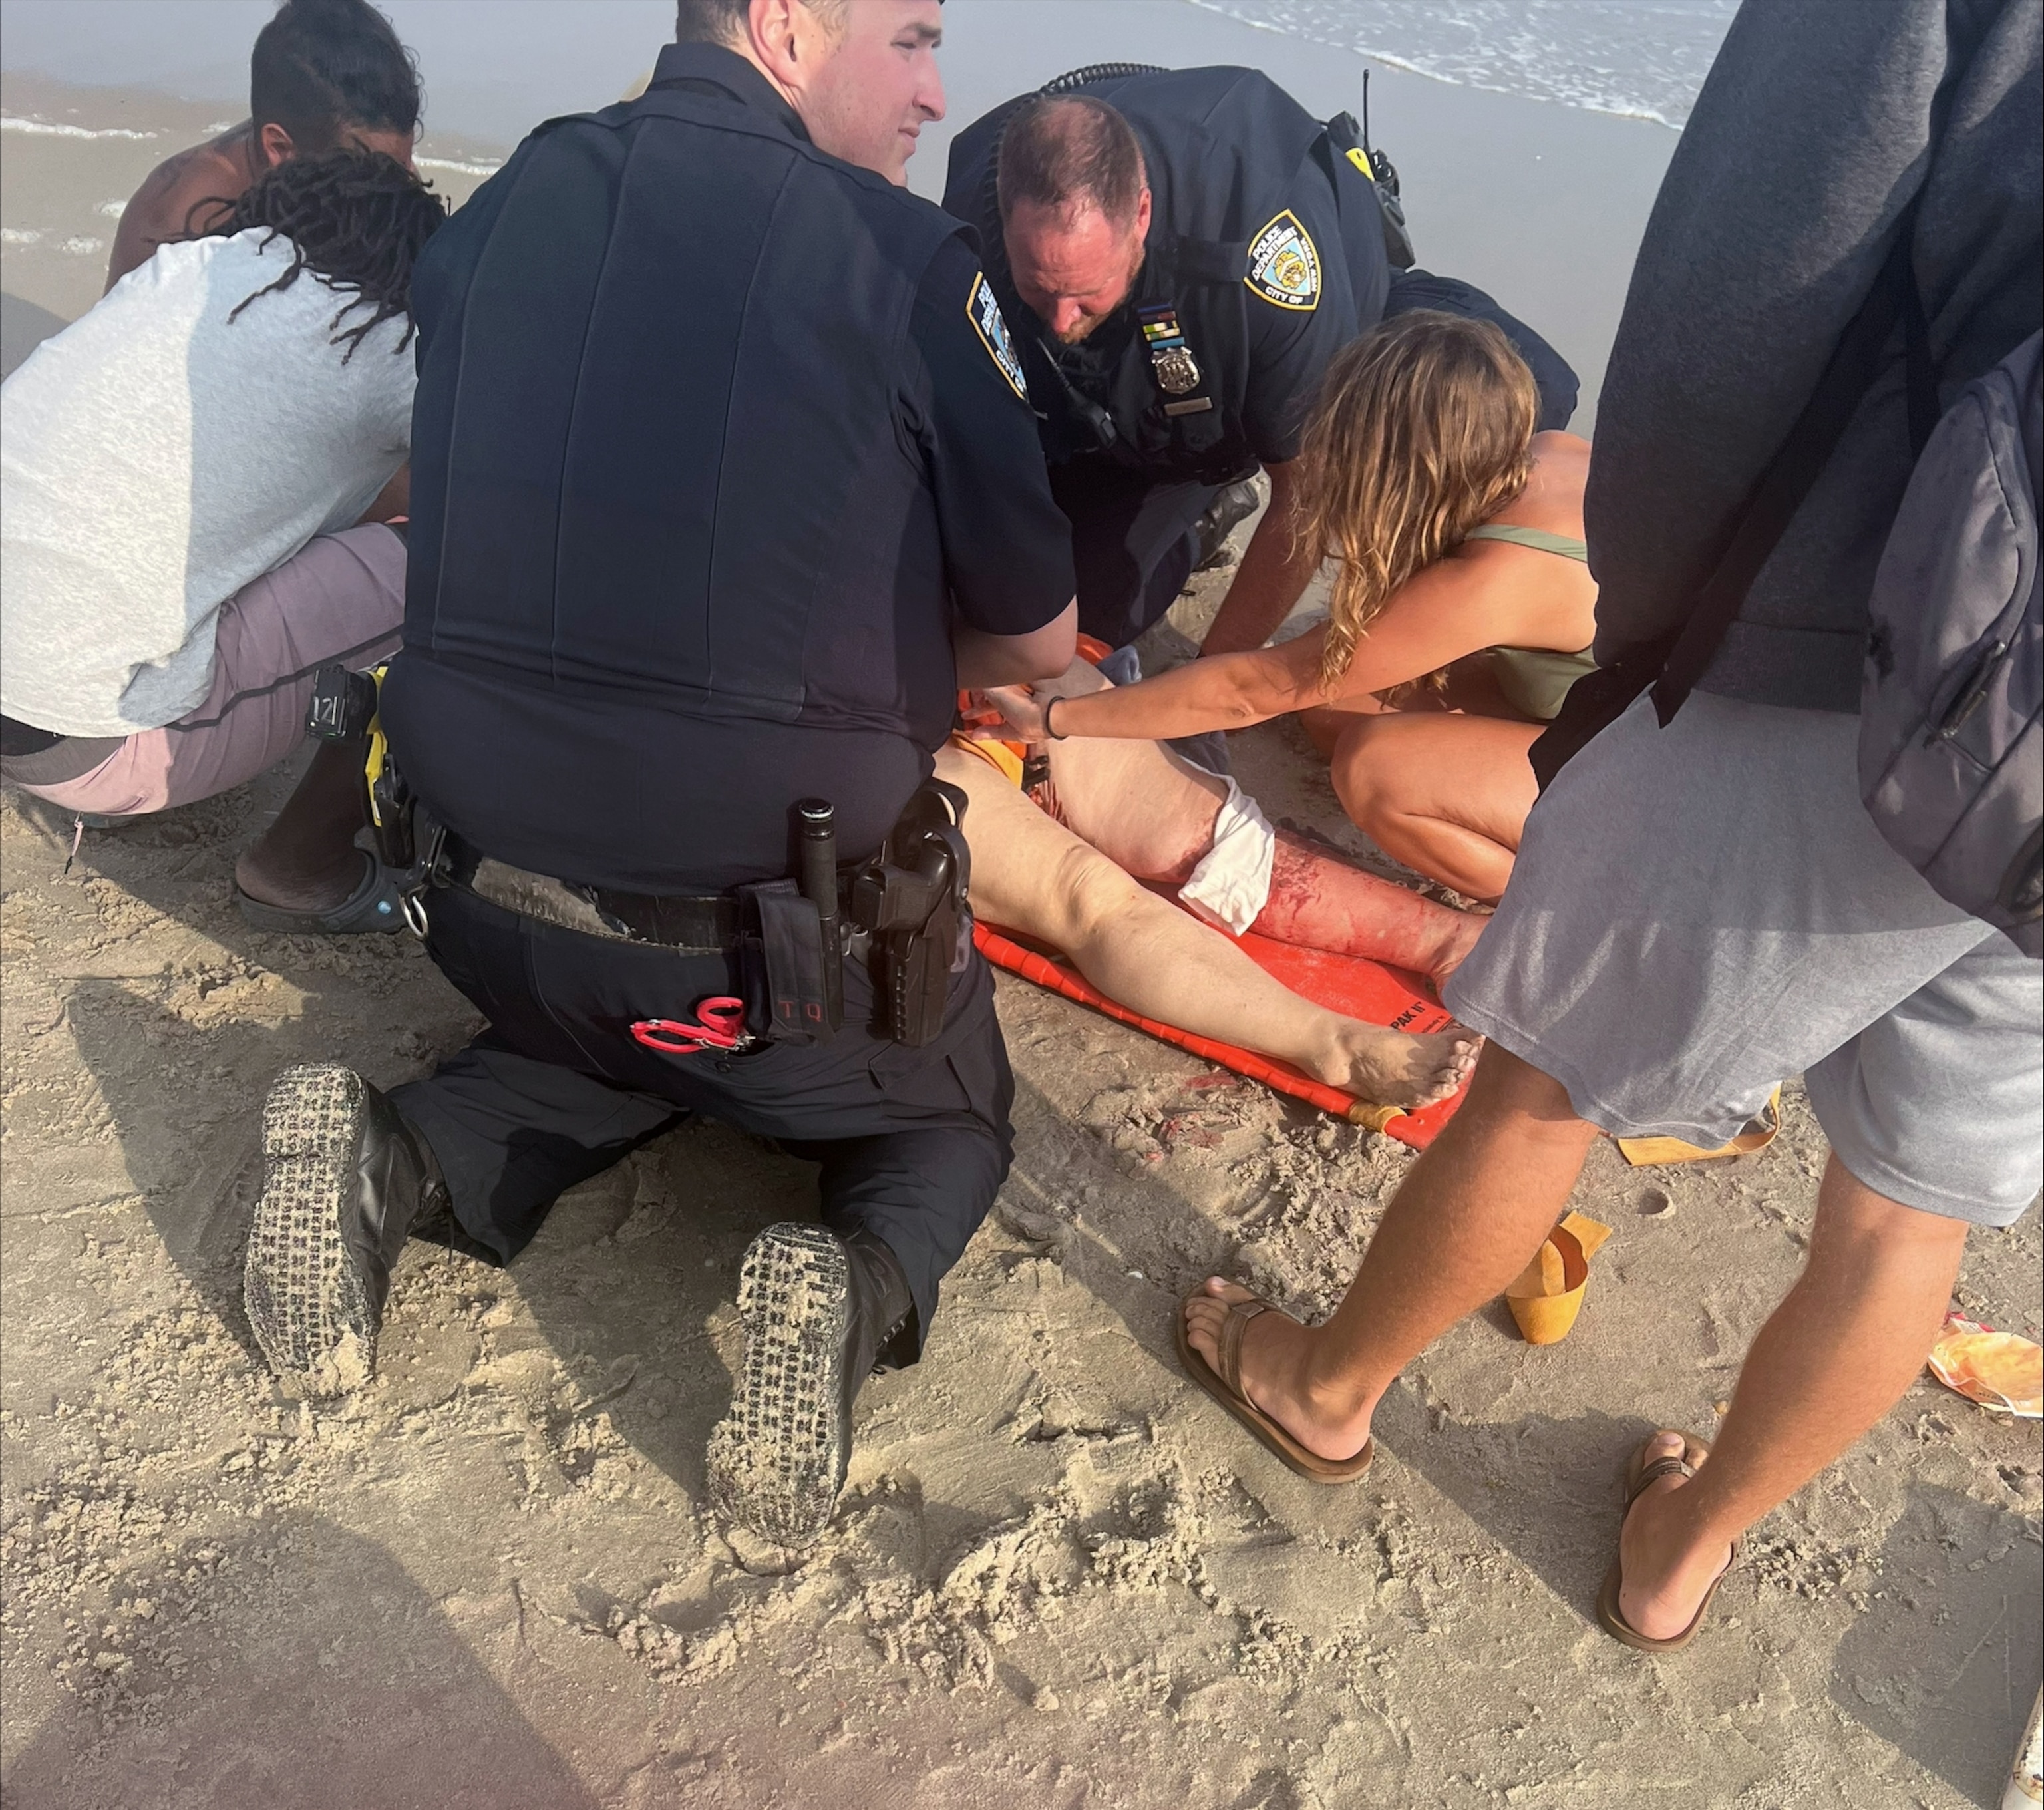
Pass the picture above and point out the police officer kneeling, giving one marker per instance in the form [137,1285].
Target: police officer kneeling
[719,451]
[1180,252]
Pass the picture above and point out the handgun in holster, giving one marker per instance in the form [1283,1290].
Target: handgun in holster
[344,707]
[913,900]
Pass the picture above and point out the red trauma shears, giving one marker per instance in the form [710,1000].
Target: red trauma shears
[719,1025]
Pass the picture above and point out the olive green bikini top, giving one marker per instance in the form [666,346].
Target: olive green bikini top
[1536,680]
[1539,538]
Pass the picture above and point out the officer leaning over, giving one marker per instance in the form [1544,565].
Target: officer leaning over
[1180,253]
[723,481]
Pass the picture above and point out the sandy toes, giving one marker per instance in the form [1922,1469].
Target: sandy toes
[1398,1068]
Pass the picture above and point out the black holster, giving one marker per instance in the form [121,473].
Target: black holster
[912,901]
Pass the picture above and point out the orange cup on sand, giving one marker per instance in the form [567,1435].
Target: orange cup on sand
[1548,1293]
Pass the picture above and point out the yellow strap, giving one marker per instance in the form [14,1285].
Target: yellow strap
[380,751]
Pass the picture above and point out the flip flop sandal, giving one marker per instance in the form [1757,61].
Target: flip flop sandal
[1758,1133]
[1225,1387]
[1641,1472]
[373,907]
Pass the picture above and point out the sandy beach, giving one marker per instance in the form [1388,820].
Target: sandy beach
[1060,1578]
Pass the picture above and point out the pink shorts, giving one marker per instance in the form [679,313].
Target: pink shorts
[341,599]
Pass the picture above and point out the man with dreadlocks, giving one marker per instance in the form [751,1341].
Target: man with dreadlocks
[326,75]
[182,534]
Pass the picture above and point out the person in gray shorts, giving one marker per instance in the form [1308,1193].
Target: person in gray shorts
[1703,910]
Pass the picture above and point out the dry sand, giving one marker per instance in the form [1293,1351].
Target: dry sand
[1059,1577]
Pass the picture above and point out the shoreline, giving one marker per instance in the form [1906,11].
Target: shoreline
[1390,59]
[1541,203]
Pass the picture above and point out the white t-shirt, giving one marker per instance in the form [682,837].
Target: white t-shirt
[155,458]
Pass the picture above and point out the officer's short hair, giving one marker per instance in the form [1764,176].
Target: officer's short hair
[1064,151]
[723,22]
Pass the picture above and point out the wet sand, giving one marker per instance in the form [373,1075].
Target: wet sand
[1059,1577]
[1542,205]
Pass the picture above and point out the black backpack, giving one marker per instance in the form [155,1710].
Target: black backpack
[1951,749]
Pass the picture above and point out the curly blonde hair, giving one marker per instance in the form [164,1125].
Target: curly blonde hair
[1423,430]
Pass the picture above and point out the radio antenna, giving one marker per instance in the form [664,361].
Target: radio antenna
[1366,113]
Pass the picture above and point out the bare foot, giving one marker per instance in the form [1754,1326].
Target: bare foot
[1276,1353]
[1664,1574]
[1396,1068]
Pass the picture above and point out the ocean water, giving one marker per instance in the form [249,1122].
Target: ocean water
[1641,58]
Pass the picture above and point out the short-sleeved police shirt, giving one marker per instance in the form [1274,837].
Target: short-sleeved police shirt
[714,434]
[1245,263]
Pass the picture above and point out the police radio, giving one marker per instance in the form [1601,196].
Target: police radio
[1352,141]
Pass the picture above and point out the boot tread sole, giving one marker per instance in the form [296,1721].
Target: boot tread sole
[306,1304]
[778,1460]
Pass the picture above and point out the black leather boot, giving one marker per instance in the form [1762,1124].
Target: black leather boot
[345,1181]
[819,1312]
[1232,504]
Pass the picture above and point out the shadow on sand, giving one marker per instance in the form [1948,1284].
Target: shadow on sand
[1944,1662]
[313,1672]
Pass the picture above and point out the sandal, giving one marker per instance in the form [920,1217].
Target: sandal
[1759,1133]
[1225,1387]
[1640,1472]
[373,907]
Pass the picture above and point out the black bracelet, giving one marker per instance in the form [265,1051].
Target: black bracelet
[1050,734]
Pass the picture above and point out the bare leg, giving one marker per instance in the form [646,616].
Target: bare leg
[1324,726]
[1146,807]
[1472,1211]
[1325,904]
[1833,1358]
[1447,794]
[1034,875]
[307,860]
[1152,814]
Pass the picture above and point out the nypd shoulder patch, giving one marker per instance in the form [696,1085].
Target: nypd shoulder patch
[1285,265]
[985,313]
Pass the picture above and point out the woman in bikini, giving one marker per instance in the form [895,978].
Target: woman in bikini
[1461,610]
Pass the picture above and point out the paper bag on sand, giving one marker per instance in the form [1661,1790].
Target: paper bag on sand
[1548,1293]
[1999,1370]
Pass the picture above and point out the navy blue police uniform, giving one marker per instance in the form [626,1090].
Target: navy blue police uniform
[715,435]
[1266,253]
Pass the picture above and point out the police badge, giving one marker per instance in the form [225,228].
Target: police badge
[1285,266]
[985,313]
[1177,370]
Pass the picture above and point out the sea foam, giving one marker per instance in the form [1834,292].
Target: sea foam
[1639,58]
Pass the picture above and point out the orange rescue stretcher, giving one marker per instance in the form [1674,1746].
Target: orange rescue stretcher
[1351,985]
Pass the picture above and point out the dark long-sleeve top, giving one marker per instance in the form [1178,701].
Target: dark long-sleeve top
[1820,122]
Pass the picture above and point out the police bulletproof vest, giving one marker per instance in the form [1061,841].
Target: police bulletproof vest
[674,405]
[1225,150]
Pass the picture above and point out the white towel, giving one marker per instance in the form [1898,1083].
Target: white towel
[1232,883]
